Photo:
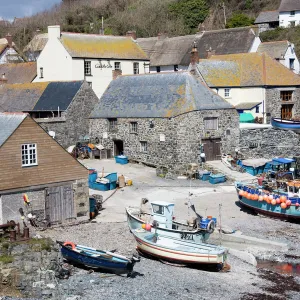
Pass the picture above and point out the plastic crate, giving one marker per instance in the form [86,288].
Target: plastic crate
[100,186]
[113,185]
[205,176]
[217,178]
[123,160]
[112,177]
[92,175]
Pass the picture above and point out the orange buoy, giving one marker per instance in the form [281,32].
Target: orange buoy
[260,198]
[273,202]
[283,205]
[148,227]
[282,199]
[278,201]
[241,193]
[70,244]
[144,226]
[265,197]
[288,202]
[246,195]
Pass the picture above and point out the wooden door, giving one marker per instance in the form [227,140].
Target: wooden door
[286,111]
[212,149]
[59,204]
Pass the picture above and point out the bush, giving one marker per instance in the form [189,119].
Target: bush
[239,20]
[6,259]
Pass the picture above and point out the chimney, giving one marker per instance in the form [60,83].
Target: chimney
[53,32]
[210,52]
[9,40]
[116,73]
[131,34]
[161,36]
[3,79]
[194,55]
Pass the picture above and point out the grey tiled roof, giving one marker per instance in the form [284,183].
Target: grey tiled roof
[159,95]
[8,124]
[267,17]
[289,5]
[19,72]
[274,49]
[247,105]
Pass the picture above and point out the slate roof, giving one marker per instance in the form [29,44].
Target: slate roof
[274,49]
[247,105]
[37,44]
[176,50]
[38,96]
[57,94]
[267,17]
[8,124]
[246,69]
[101,46]
[19,72]
[289,5]
[158,95]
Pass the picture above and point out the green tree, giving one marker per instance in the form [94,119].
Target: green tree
[239,20]
[193,12]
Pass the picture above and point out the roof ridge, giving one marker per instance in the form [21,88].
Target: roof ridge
[94,34]
[281,41]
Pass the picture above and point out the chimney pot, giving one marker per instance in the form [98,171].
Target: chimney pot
[116,73]
[9,40]
[131,34]
[194,55]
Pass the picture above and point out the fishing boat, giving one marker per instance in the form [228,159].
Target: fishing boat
[176,250]
[278,203]
[286,124]
[97,259]
[162,213]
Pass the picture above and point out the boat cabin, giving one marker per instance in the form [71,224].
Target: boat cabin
[162,212]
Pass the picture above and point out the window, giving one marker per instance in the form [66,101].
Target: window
[286,95]
[144,147]
[41,72]
[292,13]
[90,84]
[292,23]
[211,123]
[226,93]
[292,63]
[112,124]
[29,155]
[136,69]
[257,109]
[158,69]
[158,209]
[175,68]
[87,68]
[133,127]
[117,65]
[287,111]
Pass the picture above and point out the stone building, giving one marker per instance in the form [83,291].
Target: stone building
[267,20]
[164,120]
[60,107]
[33,163]
[253,82]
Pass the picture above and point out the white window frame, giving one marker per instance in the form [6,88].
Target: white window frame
[90,84]
[209,123]
[133,127]
[136,68]
[144,146]
[227,92]
[28,161]
[117,65]
[87,68]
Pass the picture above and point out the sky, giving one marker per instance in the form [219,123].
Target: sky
[23,8]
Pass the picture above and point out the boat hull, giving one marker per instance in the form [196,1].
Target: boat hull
[193,235]
[286,124]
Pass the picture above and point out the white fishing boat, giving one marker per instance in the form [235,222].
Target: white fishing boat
[162,213]
[180,251]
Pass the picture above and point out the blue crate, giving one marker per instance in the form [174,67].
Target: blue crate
[123,160]
[205,176]
[217,178]
[99,186]
[92,175]
[113,185]
[112,177]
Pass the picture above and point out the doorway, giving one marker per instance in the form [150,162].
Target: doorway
[118,147]
[212,149]
[286,111]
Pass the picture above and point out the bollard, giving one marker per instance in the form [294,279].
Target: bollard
[12,235]
[26,233]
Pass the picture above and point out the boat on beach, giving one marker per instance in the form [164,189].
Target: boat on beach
[162,213]
[176,250]
[97,259]
[273,202]
[286,124]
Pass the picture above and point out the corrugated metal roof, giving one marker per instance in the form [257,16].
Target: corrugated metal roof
[57,95]
[267,17]
[8,124]
[274,49]
[176,50]
[159,95]
[19,72]
[246,69]
[247,105]
[101,46]
[20,97]
[289,5]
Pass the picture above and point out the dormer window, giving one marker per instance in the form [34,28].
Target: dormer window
[292,13]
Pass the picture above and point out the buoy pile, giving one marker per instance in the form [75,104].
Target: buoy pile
[273,199]
[146,227]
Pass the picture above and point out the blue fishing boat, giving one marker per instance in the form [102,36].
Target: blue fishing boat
[276,203]
[97,259]
[286,124]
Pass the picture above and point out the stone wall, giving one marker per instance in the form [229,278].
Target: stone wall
[81,199]
[269,143]
[75,121]
[171,142]
[273,101]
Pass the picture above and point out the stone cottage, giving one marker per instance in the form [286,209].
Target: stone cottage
[33,163]
[164,119]
[60,107]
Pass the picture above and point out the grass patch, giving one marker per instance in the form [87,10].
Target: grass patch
[40,244]
[6,259]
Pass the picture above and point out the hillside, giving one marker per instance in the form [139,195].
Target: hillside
[147,17]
